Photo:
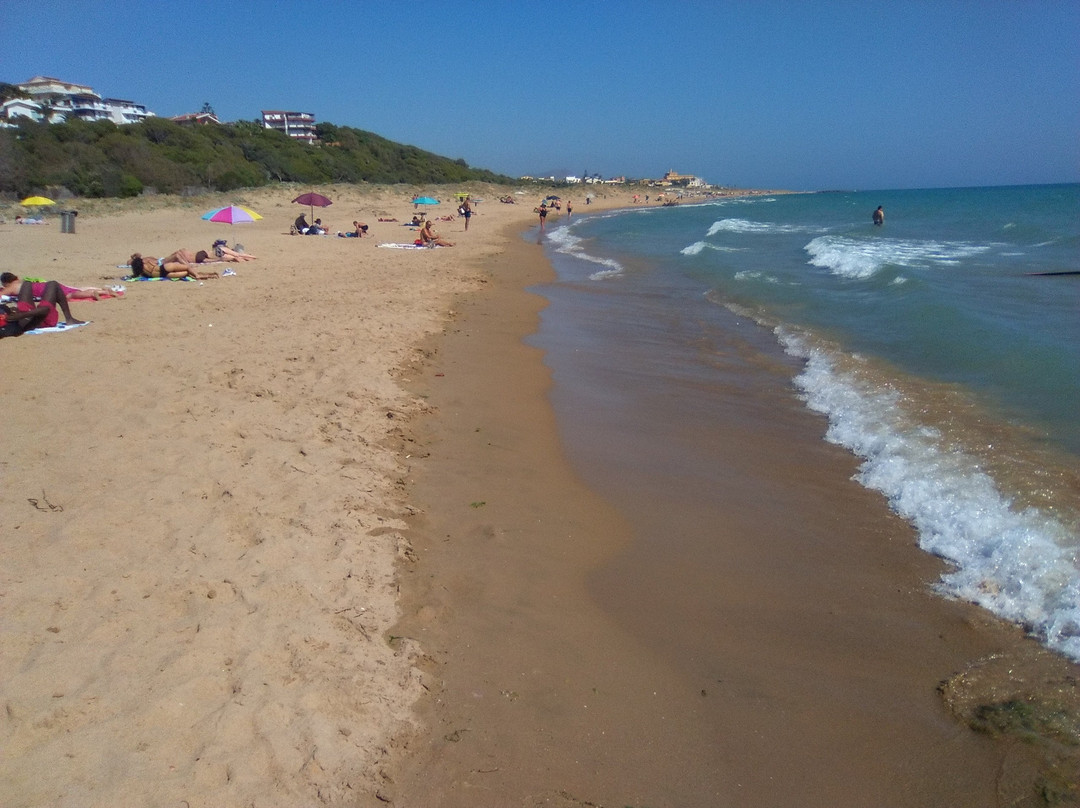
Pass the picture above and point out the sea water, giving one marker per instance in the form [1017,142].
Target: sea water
[940,356]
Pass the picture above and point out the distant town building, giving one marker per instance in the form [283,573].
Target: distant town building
[54,101]
[685,180]
[297,125]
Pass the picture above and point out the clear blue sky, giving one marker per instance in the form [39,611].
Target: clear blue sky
[802,95]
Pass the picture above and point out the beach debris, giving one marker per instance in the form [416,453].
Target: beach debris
[48,505]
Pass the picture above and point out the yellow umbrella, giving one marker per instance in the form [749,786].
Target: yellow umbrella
[36,201]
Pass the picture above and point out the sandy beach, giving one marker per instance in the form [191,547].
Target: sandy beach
[204,500]
[307,535]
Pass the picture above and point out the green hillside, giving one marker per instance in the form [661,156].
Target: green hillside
[101,159]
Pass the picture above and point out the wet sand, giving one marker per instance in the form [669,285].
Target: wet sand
[694,604]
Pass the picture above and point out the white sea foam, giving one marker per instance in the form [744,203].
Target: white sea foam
[861,258]
[698,246]
[750,274]
[747,226]
[567,243]
[1018,563]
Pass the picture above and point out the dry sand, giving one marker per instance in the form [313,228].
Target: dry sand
[203,504]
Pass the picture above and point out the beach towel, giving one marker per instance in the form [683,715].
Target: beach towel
[130,278]
[56,329]
[406,246]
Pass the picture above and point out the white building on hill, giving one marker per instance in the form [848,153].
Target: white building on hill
[54,101]
[297,125]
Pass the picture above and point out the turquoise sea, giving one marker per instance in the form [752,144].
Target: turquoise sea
[939,359]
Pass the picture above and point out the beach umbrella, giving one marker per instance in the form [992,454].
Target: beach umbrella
[425,200]
[36,202]
[552,197]
[232,214]
[313,200]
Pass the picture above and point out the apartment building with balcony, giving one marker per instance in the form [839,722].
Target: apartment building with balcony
[297,125]
[54,101]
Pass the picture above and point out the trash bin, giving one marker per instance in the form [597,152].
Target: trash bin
[67,221]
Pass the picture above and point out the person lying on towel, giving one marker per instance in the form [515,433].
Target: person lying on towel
[28,314]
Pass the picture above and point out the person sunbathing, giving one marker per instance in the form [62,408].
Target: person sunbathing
[178,265]
[359,231]
[10,284]
[431,238]
[225,253]
[50,296]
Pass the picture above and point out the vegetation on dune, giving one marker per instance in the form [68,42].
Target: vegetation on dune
[101,159]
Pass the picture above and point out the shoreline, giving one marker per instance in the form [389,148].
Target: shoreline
[527,681]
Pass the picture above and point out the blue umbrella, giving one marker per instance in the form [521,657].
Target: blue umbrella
[425,200]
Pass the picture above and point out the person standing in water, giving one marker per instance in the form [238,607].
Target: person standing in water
[879,216]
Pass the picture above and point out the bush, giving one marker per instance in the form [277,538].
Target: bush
[102,159]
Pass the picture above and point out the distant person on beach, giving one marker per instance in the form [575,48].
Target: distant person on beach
[569,209]
[543,211]
[169,268]
[225,253]
[10,285]
[301,225]
[466,211]
[431,238]
[359,231]
[51,296]
[879,216]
